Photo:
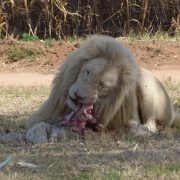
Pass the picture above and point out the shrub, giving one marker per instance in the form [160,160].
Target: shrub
[14,54]
[28,37]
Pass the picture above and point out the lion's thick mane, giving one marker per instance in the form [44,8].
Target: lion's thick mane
[122,102]
[122,105]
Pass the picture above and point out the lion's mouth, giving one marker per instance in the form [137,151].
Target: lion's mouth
[75,101]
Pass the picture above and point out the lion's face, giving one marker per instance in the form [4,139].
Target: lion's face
[96,81]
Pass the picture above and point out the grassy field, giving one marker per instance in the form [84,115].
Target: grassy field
[105,156]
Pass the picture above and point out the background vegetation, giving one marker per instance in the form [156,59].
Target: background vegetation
[63,18]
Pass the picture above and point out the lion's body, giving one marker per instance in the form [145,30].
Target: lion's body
[132,97]
[153,99]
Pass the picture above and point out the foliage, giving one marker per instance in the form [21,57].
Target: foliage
[49,42]
[62,18]
[159,35]
[27,37]
[14,54]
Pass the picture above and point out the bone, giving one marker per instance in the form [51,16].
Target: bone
[7,161]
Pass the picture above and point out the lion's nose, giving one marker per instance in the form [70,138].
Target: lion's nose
[78,97]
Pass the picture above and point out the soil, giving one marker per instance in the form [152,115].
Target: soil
[25,79]
[161,57]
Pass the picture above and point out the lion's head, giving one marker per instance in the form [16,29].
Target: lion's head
[101,72]
[97,79]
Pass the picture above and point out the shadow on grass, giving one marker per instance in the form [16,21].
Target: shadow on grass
[77,163]
[13,122]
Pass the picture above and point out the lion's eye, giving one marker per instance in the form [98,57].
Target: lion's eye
[87,73]
[101,85]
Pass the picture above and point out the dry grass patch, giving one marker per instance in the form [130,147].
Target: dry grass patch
[105,156]
[17,103]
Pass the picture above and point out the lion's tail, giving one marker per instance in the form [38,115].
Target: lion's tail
[176,122]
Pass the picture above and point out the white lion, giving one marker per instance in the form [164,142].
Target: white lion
[103,71]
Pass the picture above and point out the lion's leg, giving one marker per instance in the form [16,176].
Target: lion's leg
[151,125]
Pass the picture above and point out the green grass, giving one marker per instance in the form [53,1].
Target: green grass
[29,52]
[28,37]
[162,168]
[71,39]
[98,156]
[14,54]
[159,35]
[49,42]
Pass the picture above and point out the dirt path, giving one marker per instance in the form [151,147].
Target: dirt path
[161,74]
[25,79]
[31,79]
[161,57]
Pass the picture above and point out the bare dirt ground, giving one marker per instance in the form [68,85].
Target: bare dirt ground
[161,57]
[25,79]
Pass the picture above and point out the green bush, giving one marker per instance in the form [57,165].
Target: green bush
[29,52]
[15,54]
[49,42]
[28,37]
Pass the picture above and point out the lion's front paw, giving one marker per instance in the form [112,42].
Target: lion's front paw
[38,133]
[143,131]
[57,133]
[138,129]
[44,132]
